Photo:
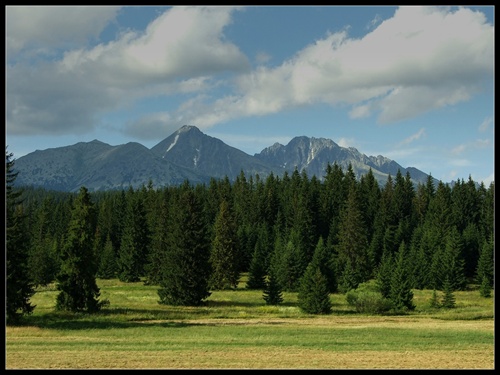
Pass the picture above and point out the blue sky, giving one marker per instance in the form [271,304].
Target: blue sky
[414,84]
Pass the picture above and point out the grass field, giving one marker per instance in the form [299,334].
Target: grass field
[236,329]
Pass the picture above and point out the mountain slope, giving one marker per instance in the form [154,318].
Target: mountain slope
[190,154]
[190,148]
[99,166]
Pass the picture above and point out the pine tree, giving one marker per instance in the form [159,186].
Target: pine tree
[19,286]
[323,258]
[485,266]
[258,270]
[485,288]
[77,278]
[272,293]
[186,270]
[353,243]
[313,296]
[434,302]
[448,297]
[224,253]
[401,294]
[384,274]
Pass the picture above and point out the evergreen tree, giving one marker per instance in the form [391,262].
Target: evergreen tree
[434,302]
[485,267]
[453,262]
[353,244]
[107,263]
[485,288]
[313,296]
[384,274]
[135,240]
[19,286]
[186,270]
[323,258]
[448,296]
[272,293]
[401,294]
[77,278]
[43,260]
[224,253]
[258,268]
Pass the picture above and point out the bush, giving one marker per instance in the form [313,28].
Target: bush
[367,299]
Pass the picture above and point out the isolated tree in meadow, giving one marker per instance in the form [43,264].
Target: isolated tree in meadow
[76,280]
[186,271]
[19,286]
[313,296]
[448,300]
[224,255]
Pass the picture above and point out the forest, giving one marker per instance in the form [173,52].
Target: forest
[287,233]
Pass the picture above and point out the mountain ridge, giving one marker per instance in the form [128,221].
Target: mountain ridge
[190,154]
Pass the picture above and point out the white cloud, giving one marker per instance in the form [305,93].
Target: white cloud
[177,53]
[45,27]
[421,59]
[477,144]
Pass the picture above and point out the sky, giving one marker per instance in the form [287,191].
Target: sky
[414,84]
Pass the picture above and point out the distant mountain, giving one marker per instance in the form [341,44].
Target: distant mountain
[314,154]
[99,166]
[189,154]
[190,148]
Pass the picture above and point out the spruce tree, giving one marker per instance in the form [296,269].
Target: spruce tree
[186,271]
[258,270]
[448,296]
[19,286]
[485,266]
[485,288]
[313,296]
[434,302]
[401,294]
[384,274]
[272,293]
[77,277]
[224,253]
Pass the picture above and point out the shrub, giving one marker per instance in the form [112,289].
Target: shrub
[367,299]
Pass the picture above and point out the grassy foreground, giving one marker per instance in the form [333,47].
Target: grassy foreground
[236,329]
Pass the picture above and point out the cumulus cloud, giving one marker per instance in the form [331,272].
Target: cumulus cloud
[421,59]
[41,28]
[177,53]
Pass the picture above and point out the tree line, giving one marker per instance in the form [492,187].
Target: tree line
[288,233]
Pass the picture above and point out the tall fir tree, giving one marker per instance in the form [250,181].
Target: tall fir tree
[107,261]
[186,270]
[19,286]
[353,243]
[224,255]
[313,296]
[76,280]
[272,293]
[485,271]
[258,265]
[401,294]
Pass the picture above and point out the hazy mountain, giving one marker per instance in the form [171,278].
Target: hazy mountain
[99,166]
[189,154]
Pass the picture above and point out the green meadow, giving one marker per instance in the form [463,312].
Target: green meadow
[237,330]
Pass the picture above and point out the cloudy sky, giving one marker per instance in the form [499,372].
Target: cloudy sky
[414,84]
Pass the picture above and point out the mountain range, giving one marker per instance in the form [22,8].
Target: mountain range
[190,154]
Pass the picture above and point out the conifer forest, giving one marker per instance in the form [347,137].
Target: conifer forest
[288,233]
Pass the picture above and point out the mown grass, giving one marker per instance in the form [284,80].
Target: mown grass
[236,329]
